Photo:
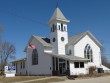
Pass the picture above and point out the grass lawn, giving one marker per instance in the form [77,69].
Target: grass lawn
[48,80]
[26,78]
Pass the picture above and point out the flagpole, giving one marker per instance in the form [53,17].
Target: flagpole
[27,61]
[29,47]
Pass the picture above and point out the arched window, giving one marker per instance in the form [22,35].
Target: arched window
[34,57]
[88,53]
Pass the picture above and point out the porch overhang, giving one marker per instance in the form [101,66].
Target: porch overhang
[69,57]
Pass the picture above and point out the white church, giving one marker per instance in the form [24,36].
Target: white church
[60,54]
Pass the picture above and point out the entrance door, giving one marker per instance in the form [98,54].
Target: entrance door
[62,68]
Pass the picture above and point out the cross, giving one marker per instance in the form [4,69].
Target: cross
[57,4]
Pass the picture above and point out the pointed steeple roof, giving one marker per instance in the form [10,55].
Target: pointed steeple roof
[58,15]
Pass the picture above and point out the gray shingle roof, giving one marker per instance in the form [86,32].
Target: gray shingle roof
[69,57]
[22,59]
[71,40]
[58,15]
[76,38]
[44,40]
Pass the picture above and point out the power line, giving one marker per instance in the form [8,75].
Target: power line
[22,17]
[38,22]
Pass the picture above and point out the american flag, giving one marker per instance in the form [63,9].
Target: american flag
[31,46]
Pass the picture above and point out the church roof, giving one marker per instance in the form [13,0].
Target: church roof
[22,59]
[76,38]
[44,40]
[58,15]
[68,57]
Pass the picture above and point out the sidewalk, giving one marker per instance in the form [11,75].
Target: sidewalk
[36,80]
[105,79]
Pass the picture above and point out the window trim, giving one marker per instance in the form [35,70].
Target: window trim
[79,65]
[21,65]
[62,27]
[34,57]
[88,53]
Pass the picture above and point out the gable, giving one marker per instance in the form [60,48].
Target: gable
[76,38]
[43,40]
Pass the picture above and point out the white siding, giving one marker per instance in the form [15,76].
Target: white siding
[80,46]
[78,50]
[20,70]
[58,45]
[48,50]
[44,61]
[78,71]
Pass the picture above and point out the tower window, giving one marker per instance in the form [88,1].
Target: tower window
[61,27]
[53,39]
[62,38]
[64,28]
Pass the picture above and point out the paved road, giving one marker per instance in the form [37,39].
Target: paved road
[105,79]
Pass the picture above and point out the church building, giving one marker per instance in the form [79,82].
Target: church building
[60,54]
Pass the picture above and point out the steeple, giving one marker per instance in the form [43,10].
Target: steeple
[58,16]
[59,33]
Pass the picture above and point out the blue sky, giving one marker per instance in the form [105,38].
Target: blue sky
[23,18]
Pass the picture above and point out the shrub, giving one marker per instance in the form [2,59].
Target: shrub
[92,70]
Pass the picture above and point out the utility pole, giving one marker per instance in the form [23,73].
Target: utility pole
[1,68]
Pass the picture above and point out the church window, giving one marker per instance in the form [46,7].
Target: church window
[53,39]
[78,64]
[88,53]
[70,52]
[53,28]
[61,27]
[16,67]
[81,64]
[34,57]
[21,65]
[62,38]
[64,28]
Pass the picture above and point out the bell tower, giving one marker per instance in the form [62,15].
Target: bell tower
[58,32]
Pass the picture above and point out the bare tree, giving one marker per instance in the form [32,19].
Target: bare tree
[105,61]
[8,52]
